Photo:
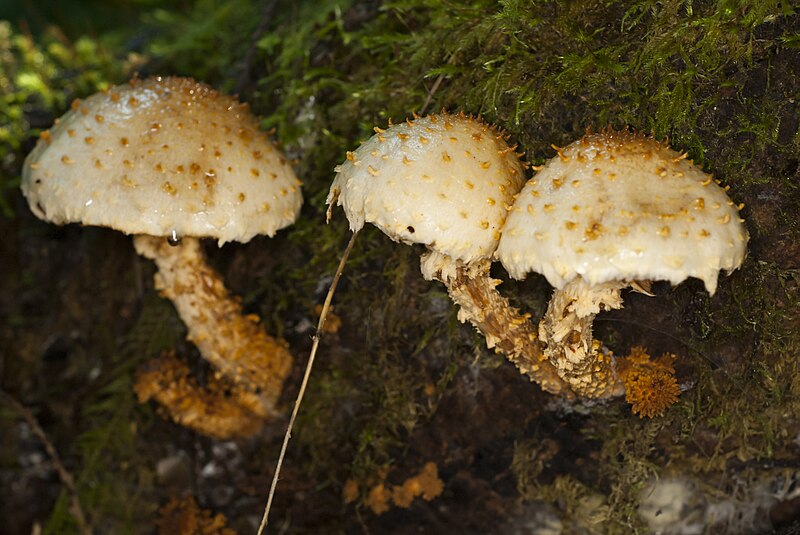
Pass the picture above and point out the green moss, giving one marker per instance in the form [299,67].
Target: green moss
[747,403]
[37,82]
[388,386]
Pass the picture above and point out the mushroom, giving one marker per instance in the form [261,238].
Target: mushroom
[444,181]
[612,210]
[171,160]
[447,182]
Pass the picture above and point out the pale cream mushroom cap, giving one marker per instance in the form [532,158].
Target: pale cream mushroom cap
[162,156]
[620,206]
[445,181]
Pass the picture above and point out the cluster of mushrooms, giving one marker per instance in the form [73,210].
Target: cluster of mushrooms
[613,210]
[170,161]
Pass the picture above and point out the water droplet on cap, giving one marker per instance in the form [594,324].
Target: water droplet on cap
[173,239]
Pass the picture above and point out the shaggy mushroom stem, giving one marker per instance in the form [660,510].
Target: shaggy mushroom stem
[233,343]
[505,329]
[219,409]
[566,331]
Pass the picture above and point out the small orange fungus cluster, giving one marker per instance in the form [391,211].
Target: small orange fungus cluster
[184,517]
[650,384]
[425,484]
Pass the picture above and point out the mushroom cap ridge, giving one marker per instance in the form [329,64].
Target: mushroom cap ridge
[618,205]
[158,156]
[445,181]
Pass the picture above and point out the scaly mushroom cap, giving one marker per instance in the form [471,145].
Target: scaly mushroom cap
[622,206]
[445,181]
[162,156]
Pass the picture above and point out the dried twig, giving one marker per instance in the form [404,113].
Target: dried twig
[66,478]
[323,315]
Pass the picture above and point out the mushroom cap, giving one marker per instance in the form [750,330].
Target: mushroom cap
[445,181]
[162,156]
[622,206]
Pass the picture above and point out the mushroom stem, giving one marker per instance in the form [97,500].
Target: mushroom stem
[505,329]
[233,343]
[219,410]
[566,330]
